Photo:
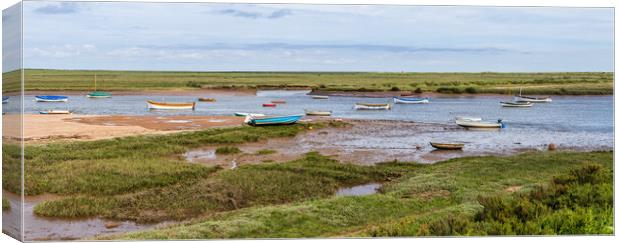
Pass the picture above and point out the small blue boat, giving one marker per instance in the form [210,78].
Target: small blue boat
[5,100]
[272,120]
[402,100]
[51,98]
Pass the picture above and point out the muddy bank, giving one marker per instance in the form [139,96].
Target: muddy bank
[44,228]
[172,92]
[49,128]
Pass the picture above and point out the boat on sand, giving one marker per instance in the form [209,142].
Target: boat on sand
[480,124]
[206,99]
[369,106]
[468,118]
[55,112]
[248,114]
[318,113]
[171,105]
[272,120]
[449,146]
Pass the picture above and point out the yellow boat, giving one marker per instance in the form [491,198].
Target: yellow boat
[171,106]
[207,99]
[451,146]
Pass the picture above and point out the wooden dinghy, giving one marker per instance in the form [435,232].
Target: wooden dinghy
[272,120]
[516,104]
[51,98]
[369,106]
[318,113]
[278,101]
[207,99]
[171,105]
[320,97]
[55,112]
[401,100]
[449,146]
[480,124]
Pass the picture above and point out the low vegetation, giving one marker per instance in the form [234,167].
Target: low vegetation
[266,151]
[227,150]
[532,83]
[467,196]
[6,205]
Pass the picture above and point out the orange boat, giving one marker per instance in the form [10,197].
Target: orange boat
[171,106]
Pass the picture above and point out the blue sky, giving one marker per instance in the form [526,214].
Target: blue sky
[250,37]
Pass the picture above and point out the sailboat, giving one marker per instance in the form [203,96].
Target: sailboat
[98,94]
[522,98]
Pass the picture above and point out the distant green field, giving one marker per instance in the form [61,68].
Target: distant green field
[578,83]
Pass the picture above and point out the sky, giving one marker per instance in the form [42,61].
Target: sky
[297,37]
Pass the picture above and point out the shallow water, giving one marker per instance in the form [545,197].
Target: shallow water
[360,190]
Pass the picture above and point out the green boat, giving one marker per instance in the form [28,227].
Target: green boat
[98,94]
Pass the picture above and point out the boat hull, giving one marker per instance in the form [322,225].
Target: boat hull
[320,97]
[478,124]
[273,120]
[51,98]
[171,106]
[363,106]
[448,146]
[206,99]
[520,104]
[318,113]
[532,99]
[55,112]
[398,100]
[247,114]
[468,118]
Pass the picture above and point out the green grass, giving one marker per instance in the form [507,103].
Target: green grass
[410,205]
[487,82]
[107,167]
[266,151]
[227,150]
[6,205]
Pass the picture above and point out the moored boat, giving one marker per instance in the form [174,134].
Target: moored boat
[171,105]
[516,104]
[402,100]
[207,99]
[520,98]
[99,94]
[5,100]
[278,101]
[269,105]
[450,146]
[55,112]
[320,97]
[468,118]
[272,120]
[318,113]
[248,114]
[51,98]
[369,106]
[480,124]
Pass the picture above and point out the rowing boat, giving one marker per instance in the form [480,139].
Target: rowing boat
[272,120]
[55,112]
[206,99]
[320,97]
[51,98]
[5,100]
[247,114]
[480,124]
[369,106]
[318,113]
[171,105]
[269,105]
[278,101]
[516,104]
[401,100]
[99,94]
[450,146]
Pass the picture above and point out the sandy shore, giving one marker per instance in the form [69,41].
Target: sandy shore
[48,128]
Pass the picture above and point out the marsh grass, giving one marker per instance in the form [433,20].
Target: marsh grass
[6,205]
[447,193]
[487,82]
[227,150]
[266,151]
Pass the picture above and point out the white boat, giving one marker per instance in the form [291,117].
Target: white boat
[318,113]
[516,104]
[402,100]
[248,114]
[170,105]
[479,124]
[55,112]
[468,118]
[320,97]
[521,98]
[369,106]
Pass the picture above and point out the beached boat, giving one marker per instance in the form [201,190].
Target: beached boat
[401,100]
[269,105]
[278,101]
[320,97]
[522,98]
[99,94]
[171,105]
[450,146]
[272,120]
[318,113]
[5,100]
[468,118]
[55,112]
[206,99]
[479,124]
[369,106]
[516,104]
[248,114]
[51,98]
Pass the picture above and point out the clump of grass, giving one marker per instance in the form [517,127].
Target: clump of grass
[227,150]
[266,151]
[6,205]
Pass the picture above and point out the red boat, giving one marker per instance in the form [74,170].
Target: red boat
[269,105]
